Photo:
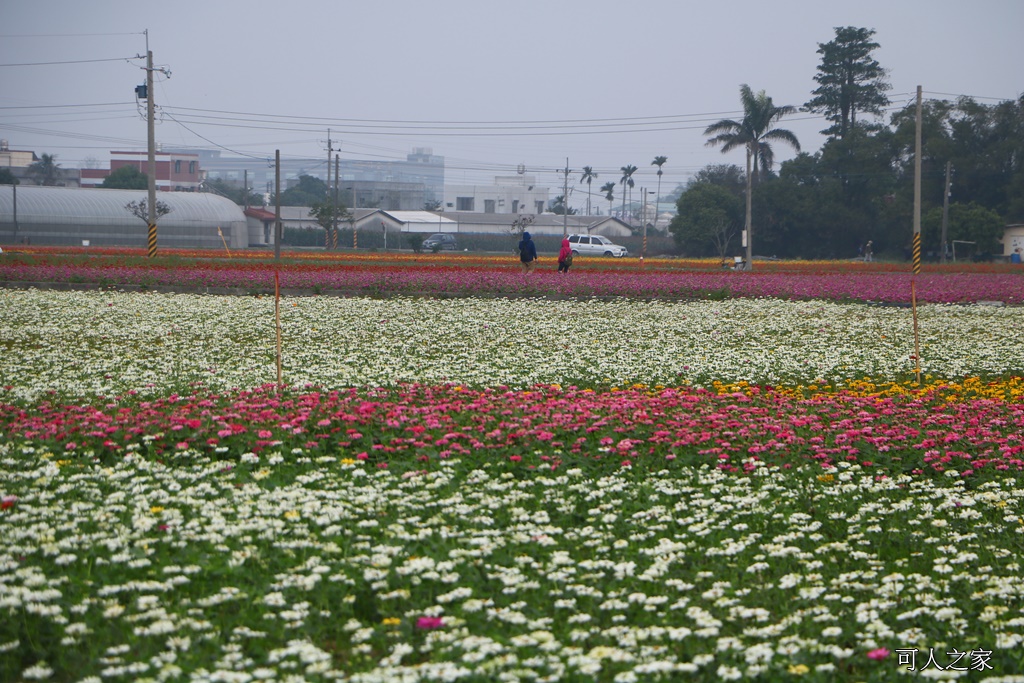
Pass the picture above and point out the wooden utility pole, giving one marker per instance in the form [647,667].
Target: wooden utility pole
[945,212]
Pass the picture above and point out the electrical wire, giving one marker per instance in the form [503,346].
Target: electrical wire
[75,61]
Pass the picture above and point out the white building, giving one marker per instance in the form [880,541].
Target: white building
[516,194]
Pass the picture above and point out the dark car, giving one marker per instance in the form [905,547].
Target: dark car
[440,241]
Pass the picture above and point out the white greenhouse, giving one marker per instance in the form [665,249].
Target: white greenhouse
[97,217]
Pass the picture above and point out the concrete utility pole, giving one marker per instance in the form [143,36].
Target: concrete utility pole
[151,135]
[334,213]
[327,237]
[565,201]
[277,205]
[945,211]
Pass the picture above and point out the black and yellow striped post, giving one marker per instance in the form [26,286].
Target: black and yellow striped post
[917,253]
[151,242]
[913,304]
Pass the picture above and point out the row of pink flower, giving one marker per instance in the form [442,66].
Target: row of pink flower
[901,434]
[881,287]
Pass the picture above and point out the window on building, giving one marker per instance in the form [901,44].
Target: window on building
[177,165]
[515,206]
[464,204]
[192,167]
[540,206]
[488,206]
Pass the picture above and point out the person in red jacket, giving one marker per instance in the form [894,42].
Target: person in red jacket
[564,256]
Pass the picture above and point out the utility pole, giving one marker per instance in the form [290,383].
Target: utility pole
[245,188]
[277,205]
[565,201]
[327,237]
[643,218]
[945,211]
[334,212]
[151,136]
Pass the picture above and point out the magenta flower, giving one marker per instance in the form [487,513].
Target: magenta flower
[880,653]
[429,623]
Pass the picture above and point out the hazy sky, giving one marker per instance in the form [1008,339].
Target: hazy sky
[487,85]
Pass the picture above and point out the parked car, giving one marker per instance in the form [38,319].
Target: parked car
[440,241]
[595,245]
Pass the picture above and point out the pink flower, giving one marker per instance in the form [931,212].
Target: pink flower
[429,623]
[515,458]
[264,434]
[880,653]
[362,456]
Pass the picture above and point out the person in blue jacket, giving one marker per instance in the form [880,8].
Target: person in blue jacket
[527,252]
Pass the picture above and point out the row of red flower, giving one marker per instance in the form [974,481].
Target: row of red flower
[462,281]
[913,433]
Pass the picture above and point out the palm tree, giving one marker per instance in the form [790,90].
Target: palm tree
[609,194]
[659,162]
[754,131]
[587,177]
[46,171]
[627,183]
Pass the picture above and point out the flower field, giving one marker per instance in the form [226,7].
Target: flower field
[537,488]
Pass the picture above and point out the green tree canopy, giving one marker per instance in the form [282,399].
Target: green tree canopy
[310,190]
[126,178]
[8,178]
[46,171]
[850,81]
[234,192]
[968,222]
[708,218]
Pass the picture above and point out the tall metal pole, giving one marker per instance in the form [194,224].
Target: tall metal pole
[151,135]
[277,205]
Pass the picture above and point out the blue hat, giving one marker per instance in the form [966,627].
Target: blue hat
[526,235]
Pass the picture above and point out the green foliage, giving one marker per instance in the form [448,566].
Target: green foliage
[328,214]
[126,178]
[232,191]
[309,191]
[708,219]
[416,242]
[754,131]
[849,81]
[46,171]
[8,178]
[969,222]
[558,206]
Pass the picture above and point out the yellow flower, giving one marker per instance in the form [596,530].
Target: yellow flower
[798,669]
[156,510]
[292,514]
[391,621]
[825,477]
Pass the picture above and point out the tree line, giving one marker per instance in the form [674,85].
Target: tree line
[859,185]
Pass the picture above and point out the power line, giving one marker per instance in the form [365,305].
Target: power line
[76,61]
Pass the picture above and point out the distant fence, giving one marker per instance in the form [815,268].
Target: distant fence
[469,241]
